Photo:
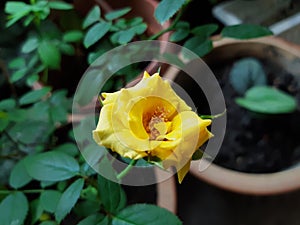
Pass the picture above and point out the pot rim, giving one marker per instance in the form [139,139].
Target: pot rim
[278,42]
[248,183]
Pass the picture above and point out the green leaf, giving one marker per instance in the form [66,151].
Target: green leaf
[59,106]
[199,45]
[4,122]
[166,9]
[34,96]
[205,30]
[36,210]
[120,24]
[33,61]
[17,115]
[182,25]
[73,36]
[267,100]
[95,33]
[245,31]
[17,63]
[52,166]
[18,10]
[179,35]
[60,5]
[45,183]
[86,208]
[145,214]
[28,20]
[19,74]
[62,185]
[19,176]
[173,59]
[92,219]
[12,7]
[66,48]
[7,104]
[13,209]
[246,73]
[30,45]
[111,194]
[140,29]
[49,200]
[197,154]
[68,148]
[68,200]
[30,80]
[49,54]
[117,13]
[133,21]
[33,132]
[90,193]
[93,153]
[92,17]
[125,36]
[105,221]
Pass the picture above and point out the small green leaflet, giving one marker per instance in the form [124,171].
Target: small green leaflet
[92,17]
[267,100]
[68,200]
[13,209]
[245,31]
[95,33]
[145,214]
[49,200]
[111,194]
[19,176]
[52,166]
[49,54]
[166,9]
[34,96]
[117,13]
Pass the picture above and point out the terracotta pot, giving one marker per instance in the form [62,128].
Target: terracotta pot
[166,192]
[285,55]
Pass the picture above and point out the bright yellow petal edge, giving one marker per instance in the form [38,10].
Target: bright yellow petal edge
[151,120]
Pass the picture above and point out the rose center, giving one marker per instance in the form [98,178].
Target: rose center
[156,123]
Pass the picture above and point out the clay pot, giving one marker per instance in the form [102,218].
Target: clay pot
[166,192]
[285,55]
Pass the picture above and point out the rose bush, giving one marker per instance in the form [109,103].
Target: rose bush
[151,121]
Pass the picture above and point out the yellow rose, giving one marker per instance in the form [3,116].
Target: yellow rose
[150,120]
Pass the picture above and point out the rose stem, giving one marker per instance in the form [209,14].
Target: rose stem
[126,170]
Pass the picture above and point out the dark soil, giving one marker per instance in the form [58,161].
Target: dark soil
[259,143]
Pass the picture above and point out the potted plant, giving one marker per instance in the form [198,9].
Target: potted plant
[258,167]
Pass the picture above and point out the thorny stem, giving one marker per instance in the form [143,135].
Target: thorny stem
[126,170]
